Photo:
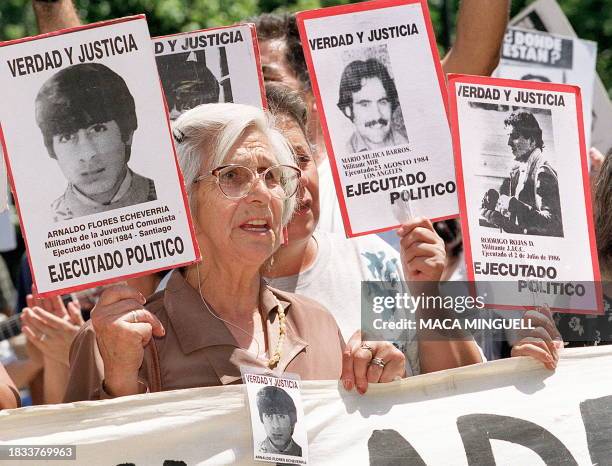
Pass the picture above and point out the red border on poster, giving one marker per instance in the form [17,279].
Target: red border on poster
[107,281]
[357,8]
[253,31]
[533,85]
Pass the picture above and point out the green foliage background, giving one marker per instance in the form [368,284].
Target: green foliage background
[592,19]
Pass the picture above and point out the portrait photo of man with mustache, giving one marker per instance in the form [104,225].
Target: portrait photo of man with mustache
[368,97]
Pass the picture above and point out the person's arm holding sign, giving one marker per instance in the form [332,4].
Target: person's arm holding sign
[423,260]
[480,29]
[541,340]
[52,15]
[123,329]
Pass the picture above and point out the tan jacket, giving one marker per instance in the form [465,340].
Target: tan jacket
[198,350]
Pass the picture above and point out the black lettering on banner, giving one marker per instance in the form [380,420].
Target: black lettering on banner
[477,431]
[597,418]
[174,463]
[388,448]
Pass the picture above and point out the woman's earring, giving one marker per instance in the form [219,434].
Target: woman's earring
[285,241]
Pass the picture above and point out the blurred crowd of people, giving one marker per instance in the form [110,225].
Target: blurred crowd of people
[280,286]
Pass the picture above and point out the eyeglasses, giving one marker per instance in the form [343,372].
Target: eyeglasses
[236,181]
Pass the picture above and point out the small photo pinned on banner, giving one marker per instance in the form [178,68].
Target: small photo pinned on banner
[277,419]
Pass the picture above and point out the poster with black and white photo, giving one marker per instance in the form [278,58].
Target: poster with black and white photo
[3,184]
[524,192]
[277,419]
[210,66]
[88,147]
[381,94]
[540,56]
[547,16]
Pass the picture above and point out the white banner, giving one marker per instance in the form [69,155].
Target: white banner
[510,411]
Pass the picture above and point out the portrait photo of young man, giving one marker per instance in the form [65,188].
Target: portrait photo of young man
[87,116]
[527,202]
[278,414]
[368,97]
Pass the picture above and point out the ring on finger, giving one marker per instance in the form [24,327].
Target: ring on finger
[43,337]
[365,346]
[378,362]
[134,317]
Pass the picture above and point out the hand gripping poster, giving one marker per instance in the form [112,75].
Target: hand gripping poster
[90,157]
[210,66]
[381,95]
[524,193]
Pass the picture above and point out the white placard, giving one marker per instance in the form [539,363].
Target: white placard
[88,144]
[380,89]
[524,193]
[210,66]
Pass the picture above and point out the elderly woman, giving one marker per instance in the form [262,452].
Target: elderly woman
[216,316]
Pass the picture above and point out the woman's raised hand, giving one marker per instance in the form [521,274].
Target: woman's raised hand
[123,329]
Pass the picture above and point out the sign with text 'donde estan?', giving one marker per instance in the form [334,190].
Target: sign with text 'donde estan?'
[524,193]
[89,153]
[381,95]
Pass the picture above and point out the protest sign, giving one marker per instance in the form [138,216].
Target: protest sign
[90,156]
[8,236]
[539,56]
[510,411]
[546,15]
[524,192]
[210,66]
[277,419]
[381,95]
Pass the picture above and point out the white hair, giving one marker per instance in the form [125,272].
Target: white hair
[205,134]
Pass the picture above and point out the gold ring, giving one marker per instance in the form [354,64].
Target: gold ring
[134,316]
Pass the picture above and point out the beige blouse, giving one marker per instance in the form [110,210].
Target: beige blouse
[198,350]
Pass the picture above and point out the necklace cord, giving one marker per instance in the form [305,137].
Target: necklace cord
[275,358]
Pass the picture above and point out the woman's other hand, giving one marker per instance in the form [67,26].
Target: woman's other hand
[366,362]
